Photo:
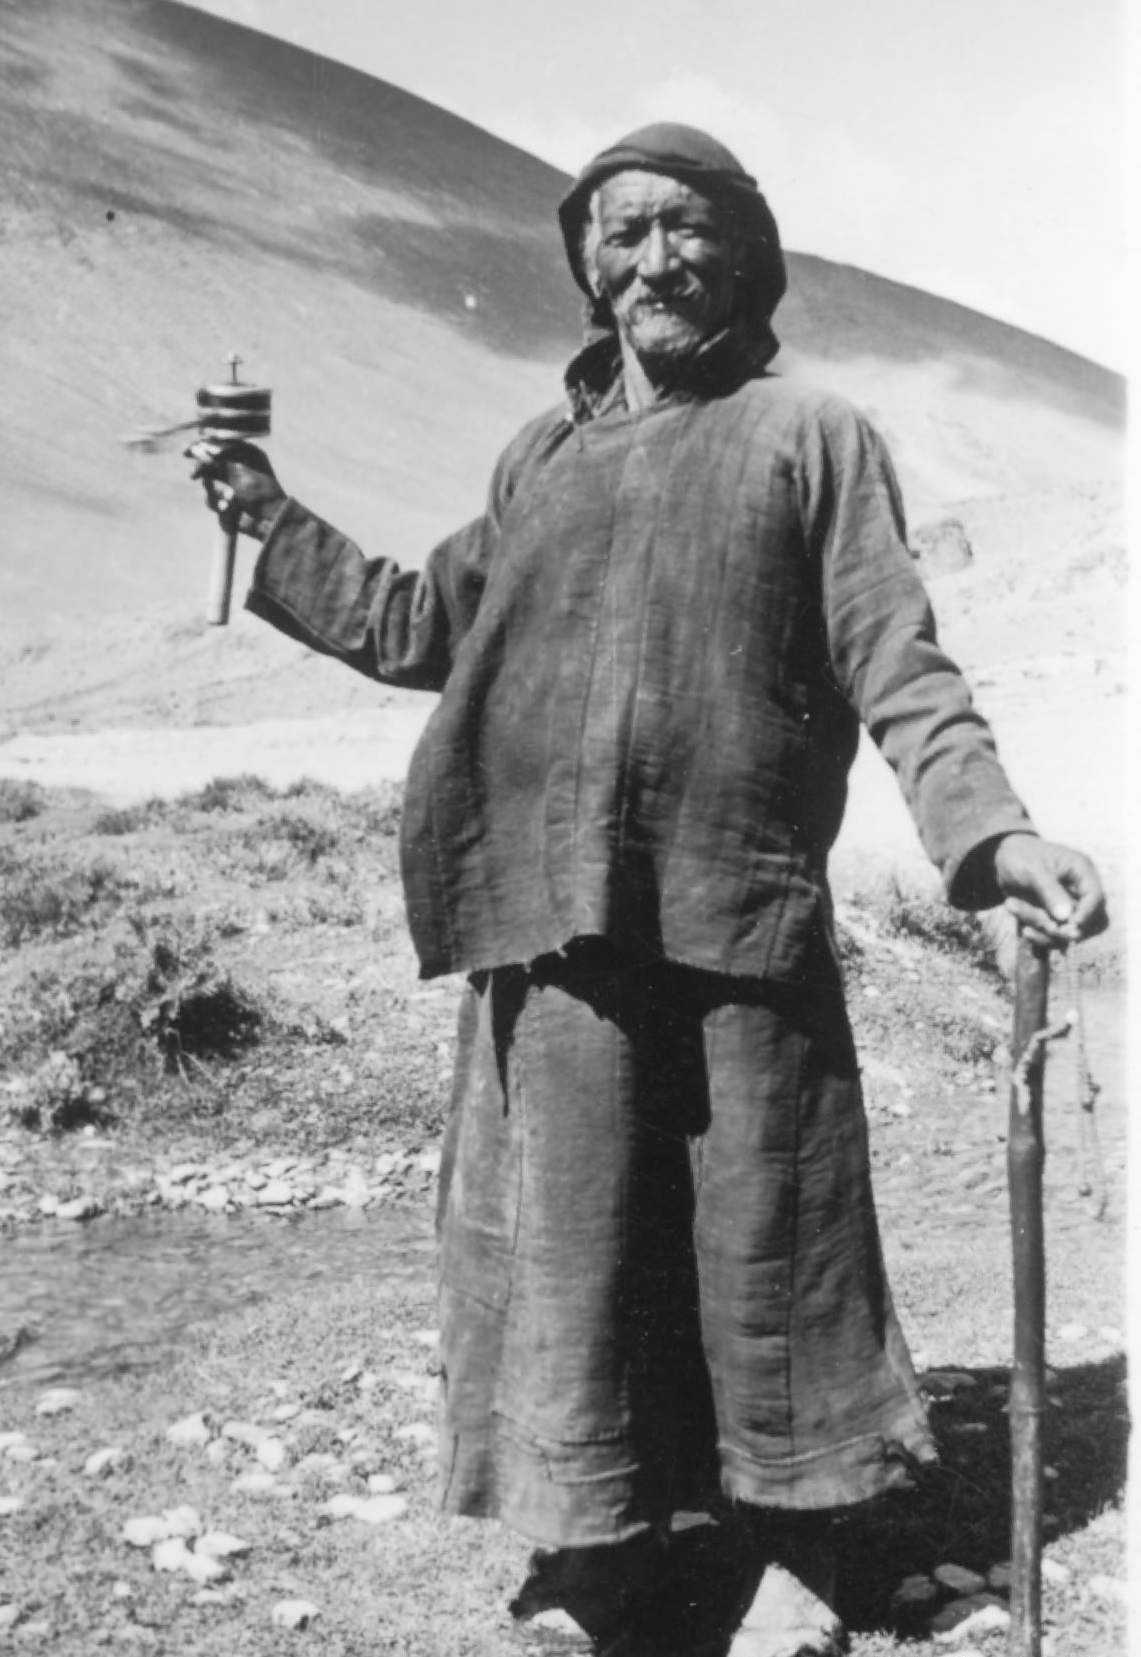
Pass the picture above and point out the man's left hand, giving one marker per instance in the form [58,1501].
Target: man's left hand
[1054,893]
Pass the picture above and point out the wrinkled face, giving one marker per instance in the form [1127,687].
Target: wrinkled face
[663,255]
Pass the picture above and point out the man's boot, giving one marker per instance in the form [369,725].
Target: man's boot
[604,1590]
[792,1613]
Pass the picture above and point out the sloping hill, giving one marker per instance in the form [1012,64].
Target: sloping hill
[176,187]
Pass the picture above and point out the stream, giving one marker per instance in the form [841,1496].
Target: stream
[119,1293]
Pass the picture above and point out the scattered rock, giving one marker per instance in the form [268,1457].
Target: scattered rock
[9,1441]
[219,1544]
[370,1510]
[382,1484]
[915,1593]
[10,1505]
[205,1568]
[427,1337]
[215,1199]
[1055,1573]
[556,1621]
[959,1580]
[190,1431]
[9,1616]
[276,1194]
[80,1208]
[170,1554]
[272,1454]
[355,1192]
[286,1412]
[122,1590]
[112,1459]
[968,1619]
[58,1401]
[145,1530]
[294,1614]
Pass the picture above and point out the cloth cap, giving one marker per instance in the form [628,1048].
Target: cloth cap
[700,161]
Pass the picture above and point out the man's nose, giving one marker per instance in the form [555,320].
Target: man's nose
[658,257]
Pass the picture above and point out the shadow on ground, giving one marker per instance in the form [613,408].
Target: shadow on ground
[957,1513]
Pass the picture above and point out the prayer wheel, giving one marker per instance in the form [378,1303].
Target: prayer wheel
[230,412]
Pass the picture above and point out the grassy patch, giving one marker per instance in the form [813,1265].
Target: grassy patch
[20,801]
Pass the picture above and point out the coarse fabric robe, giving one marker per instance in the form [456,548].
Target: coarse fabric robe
[654,650]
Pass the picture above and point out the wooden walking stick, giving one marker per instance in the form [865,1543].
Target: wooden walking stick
[1025,1156]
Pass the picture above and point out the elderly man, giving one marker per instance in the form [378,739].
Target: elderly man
[661,1284]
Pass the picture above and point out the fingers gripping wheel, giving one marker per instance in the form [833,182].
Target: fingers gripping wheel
[230,412]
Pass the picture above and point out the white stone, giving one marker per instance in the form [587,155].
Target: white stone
[1073,1333]
[48,1205]
[182,1521]
[329,1196]
[286,1412]
[80,1208]
[277,1194]
[171,1554]
[58,1401]
[355,1192]
[272,1454]
[382,1484]
[109,1460]
[145,1530]
[1111,1335]
[10,1505]
[428,1162]
[246,1432]
[190,1431]
[969,1619]
[122,1590]
[427,1337]
[370,1510]
[9,1615]
[215,1198]
[184,1171]
[294,1613]
[204,1568]
[9,1441]
[352,1373]
[555,1621]
[219,1544]
[1055,1573]
[959,1580]
[1109,1587]
[218,1452]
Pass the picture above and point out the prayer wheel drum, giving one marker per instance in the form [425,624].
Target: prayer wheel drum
[229,413]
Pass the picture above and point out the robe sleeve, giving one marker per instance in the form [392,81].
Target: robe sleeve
[401,627]
[887,660]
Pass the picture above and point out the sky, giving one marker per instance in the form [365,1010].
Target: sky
[976,149]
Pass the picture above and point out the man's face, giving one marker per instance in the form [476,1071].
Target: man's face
[662,254]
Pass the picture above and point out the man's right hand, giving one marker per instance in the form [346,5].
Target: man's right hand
[241,485]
